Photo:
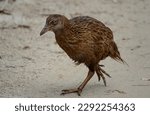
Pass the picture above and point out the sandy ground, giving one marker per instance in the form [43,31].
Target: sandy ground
[34,66]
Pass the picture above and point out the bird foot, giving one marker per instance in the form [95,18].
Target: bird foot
[67,91]
[100,73]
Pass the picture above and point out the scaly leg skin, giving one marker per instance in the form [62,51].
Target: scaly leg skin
[80,88]
[100,72]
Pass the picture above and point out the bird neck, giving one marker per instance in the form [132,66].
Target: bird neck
[64,37]
[65,32]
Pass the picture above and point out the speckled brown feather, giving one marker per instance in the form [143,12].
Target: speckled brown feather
[87,40]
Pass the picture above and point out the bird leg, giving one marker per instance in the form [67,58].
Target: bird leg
[100,72]
[80,88]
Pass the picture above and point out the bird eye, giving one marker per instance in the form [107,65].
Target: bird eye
[54,22]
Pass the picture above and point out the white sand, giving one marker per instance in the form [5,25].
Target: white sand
[42,69]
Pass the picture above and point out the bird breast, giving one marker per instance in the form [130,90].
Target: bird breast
[67,45]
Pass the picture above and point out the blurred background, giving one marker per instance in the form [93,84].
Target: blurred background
[34,66]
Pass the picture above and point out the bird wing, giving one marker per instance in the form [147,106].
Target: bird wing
[92,36]
[89,26]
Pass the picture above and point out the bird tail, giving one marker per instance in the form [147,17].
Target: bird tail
[115,54]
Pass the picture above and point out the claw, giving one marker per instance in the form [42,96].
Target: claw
[104,81]
[99,78]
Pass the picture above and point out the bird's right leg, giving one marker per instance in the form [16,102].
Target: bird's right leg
[100,72]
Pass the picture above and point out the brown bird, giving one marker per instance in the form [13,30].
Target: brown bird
[85,40]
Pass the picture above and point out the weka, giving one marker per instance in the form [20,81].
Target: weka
[85,40]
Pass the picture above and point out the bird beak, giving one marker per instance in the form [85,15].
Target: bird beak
[44,30]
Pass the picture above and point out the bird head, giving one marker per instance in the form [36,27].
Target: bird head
[54,22]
